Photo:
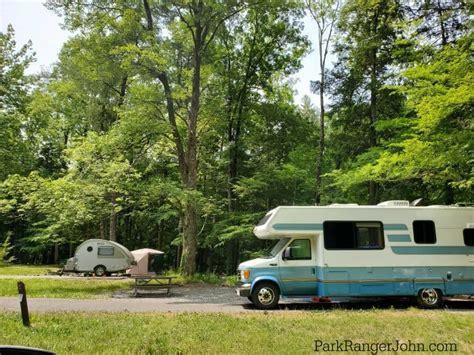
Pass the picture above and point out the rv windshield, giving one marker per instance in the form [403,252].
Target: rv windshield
[277,247]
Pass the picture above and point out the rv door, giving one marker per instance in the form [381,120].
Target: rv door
[298,267]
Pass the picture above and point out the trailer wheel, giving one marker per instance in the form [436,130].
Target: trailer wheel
[100,270]
[265,295]
[429,298]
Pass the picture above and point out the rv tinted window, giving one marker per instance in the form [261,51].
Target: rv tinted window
[469,237]
[264,220]
[300,249]
[353,235]
[339,235]
[369,236]
[424,232]
[105,251]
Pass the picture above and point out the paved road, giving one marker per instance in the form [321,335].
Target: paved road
[182,299]
[194,299]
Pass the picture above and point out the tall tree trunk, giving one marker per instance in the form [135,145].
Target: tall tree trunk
[190,225]
[439,10]
[325,16]
[113,219]
[319,162]
[56,254]
[102,229]
[373,107]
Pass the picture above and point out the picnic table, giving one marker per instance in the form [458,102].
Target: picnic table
[152,284]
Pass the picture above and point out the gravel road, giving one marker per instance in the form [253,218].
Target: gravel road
[182,299]
[196,299]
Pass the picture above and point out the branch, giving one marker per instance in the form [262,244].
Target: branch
[149,18]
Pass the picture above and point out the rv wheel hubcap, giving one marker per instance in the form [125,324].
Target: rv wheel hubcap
[429,296]
[265,295]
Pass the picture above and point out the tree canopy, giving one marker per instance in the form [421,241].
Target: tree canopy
[174,125]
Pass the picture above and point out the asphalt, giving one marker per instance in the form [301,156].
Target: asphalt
[205,299]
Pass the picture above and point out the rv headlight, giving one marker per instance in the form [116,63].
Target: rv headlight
[244,274]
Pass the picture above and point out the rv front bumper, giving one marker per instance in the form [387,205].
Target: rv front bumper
[243,290]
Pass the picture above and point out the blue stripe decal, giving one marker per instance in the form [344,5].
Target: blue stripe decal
[298,226]
[399,238]
[438,250]
[395,227]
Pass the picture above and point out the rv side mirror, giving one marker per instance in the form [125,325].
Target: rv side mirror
[286,253]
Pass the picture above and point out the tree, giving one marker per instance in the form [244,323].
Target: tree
[16,156]
[366,52]
[325,14]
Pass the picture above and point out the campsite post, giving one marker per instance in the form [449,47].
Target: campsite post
[23,304]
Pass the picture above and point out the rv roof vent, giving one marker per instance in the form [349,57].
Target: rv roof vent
[397,203]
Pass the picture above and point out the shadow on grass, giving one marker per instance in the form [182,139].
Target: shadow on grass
[368,304]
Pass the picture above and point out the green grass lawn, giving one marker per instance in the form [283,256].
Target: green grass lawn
[30,270]
[288,333]
[80,287]
[64,288]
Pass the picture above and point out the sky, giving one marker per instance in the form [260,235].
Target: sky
[32,21]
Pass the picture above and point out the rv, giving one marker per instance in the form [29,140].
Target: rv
[392,249]
[101,257]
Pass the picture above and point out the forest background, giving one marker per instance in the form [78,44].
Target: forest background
[173,124]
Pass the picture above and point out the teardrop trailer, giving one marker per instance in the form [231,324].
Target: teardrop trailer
[392,249]
[99,256]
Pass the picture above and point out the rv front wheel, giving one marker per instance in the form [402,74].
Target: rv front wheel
[429,298]
[100,270]
[265,296]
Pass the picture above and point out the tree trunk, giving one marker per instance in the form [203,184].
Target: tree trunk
[190,223]
[439,10]
[113,219]
[319,162]
[373,107]
[56,254]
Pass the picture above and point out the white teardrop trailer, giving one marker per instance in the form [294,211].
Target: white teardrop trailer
[392,249]
[101,257]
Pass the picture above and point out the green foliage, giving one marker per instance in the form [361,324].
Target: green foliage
[5,250]
[90,150]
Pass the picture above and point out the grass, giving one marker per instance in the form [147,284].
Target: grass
[64,288]
[83,288]
[282,333]
[27,270]
[206,279]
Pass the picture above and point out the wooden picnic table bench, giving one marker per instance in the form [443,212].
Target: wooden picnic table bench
[153,284]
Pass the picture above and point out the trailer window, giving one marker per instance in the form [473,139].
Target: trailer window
[353,235]
[469,237]
[424,232]
[105,251]
[300,249]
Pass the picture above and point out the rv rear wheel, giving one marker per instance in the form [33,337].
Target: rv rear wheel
[265,295]
[100,270]
[429,298]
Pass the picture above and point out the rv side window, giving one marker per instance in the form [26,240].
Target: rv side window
[469,237]
[353,235]
[300,249]
[424,232]
[369,236]
[105,251]
[264,220]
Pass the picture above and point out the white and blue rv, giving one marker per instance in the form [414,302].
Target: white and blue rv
[392,249]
